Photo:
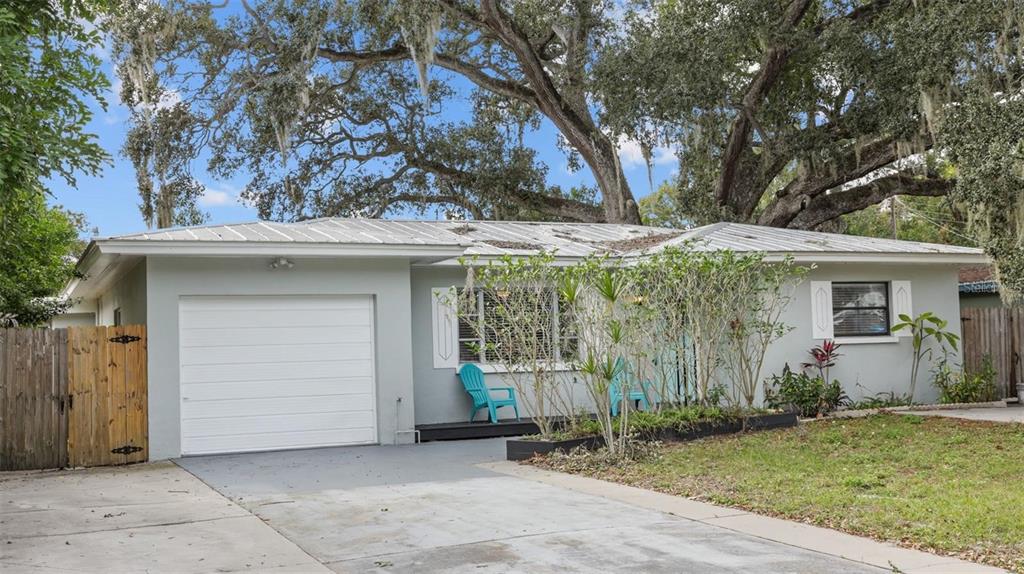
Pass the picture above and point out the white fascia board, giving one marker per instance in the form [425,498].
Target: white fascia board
[272,249]
[927,258]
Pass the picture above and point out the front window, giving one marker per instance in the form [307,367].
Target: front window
[478,331]
[860,309]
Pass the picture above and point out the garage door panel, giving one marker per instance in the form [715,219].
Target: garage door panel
[211,408]
[279,353]
[258,303]
[245,318]
[260,373]
[276,441]
[275,371]
[300,422]
[274,389]
[260,335]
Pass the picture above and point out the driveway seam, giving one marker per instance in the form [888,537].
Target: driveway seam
[250,513]
[119,528]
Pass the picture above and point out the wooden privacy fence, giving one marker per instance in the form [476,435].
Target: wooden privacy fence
[999,334]
[73,397]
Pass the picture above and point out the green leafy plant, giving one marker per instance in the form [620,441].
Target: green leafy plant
[881,400]
[809,396]
[959,386]
[926,328]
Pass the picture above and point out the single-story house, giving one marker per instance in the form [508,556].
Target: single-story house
[327,332]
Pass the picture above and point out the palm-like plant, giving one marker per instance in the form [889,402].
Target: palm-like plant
[926,326]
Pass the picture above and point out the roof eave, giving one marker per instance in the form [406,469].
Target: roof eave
[277,249]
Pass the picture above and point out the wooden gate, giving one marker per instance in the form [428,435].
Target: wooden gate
[997,333]
[74,396]
[107,422]
[33,399]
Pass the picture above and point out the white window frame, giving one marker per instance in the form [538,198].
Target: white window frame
[822,326]
[482,361]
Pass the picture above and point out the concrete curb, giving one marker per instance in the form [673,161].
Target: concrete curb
[912,409]
[814,538]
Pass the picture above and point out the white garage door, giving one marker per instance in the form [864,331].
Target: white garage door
[276,372]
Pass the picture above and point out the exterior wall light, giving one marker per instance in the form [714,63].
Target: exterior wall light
[281,263]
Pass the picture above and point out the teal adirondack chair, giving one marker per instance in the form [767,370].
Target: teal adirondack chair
[473,381]
[618,382]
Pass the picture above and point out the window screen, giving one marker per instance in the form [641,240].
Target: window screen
[860,309]
[489,317]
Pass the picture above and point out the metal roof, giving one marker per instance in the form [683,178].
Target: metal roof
[742,237]
[496,238]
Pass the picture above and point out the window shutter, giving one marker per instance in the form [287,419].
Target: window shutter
[445,327]
[901,304]
[821,310]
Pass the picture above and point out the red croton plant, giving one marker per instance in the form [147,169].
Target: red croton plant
[823,357]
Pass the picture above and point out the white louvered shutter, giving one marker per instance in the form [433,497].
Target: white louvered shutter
[445,324]
[821,310]
[901,304]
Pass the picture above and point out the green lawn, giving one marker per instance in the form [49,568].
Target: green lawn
[948,486]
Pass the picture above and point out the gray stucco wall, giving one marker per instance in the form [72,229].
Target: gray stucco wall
[170,278]
[866,369]
[128,294]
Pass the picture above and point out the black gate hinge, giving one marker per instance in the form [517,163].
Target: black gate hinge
[125,339]
[126,449]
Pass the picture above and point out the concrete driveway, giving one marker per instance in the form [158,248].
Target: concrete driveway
[430,508]
[1008,414]
[141,518]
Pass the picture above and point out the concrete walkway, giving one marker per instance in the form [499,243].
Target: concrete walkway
[1010,414]
[140,518]
[458,507]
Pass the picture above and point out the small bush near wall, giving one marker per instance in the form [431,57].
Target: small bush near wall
[810,395]
[965,386]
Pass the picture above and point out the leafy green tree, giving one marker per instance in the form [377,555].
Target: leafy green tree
[36,242]
[986,139]
[49,74]
[335,108]
[793,113]
[927,219]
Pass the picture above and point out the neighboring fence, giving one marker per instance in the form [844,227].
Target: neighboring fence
[998,333]
[72,397]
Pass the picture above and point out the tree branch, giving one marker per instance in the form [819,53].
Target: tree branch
[738,143]
[565,208]
[826,207]
[399,53]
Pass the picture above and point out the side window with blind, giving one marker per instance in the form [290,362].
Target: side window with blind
[860,309]
[477,331]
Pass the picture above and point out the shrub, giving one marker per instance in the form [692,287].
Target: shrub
[963,386]
[880,401]
[809,396]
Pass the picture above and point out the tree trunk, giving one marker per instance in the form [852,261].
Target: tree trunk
[601,156]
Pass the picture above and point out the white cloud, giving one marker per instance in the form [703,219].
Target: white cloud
[632,156]
[665,156]
[630,153]
[224,195]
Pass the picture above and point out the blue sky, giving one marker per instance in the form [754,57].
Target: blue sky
[110,200]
